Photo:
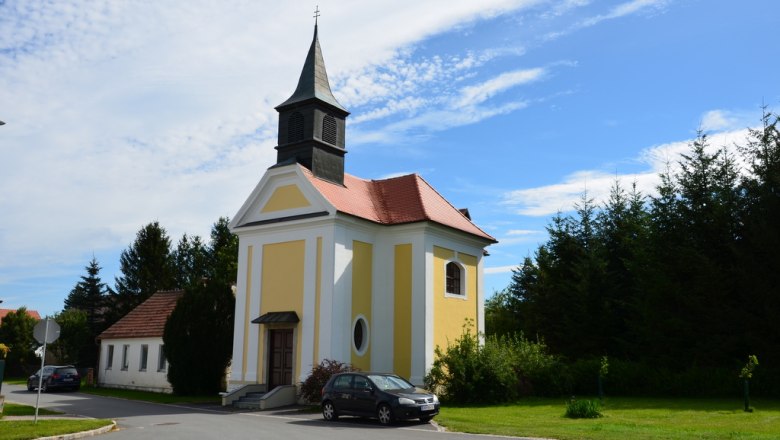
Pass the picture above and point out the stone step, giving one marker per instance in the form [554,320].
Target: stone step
[246,405]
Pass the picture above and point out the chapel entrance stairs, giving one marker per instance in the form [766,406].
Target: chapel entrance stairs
[255,397]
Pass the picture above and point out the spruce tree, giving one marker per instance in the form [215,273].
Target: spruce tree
[147,266]
[191,261]
[90,295]
[223,252]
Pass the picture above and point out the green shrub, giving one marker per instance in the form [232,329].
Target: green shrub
[498,370]
[583,409]
[311,388]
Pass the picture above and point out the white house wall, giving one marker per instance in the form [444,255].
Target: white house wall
[133,377]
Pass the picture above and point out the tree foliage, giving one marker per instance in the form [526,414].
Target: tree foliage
[16,332]
[76,338]
[690,273]
[147,266]
[90,296]
[198,338]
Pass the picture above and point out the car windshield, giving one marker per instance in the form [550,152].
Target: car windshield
[390,382]
[66,371]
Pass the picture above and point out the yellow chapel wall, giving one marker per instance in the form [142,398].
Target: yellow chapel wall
[282,287]
[402,307]
[286,197]
[450,312]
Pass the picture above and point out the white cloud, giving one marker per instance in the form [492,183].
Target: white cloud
[522,232]
[619,11]
[720,120]
[499,269]
[122,113]
[561,197]
[477,94]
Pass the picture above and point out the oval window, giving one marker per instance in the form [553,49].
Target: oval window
[360,335]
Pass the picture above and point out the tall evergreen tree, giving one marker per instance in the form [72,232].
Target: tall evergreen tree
[223,252]
[191,261]
[622,225]
[147,266]
[90,295]
[758,249]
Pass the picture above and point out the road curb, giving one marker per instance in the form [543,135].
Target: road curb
[82,434]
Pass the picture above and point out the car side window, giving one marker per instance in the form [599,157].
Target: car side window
[361,383]
[343,382]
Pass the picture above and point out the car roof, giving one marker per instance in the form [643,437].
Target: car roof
[368,373]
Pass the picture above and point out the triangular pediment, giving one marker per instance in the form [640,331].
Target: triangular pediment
[283,194]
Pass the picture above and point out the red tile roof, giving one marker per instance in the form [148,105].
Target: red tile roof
[32,313]
[394,201]
[147,320]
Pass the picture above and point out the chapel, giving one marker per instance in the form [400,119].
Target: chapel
[374,273]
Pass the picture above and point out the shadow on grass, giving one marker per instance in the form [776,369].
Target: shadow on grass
[635,403]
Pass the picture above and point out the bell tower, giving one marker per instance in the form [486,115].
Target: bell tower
[312,122]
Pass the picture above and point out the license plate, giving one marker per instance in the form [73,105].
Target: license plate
[67,380]
[426,408]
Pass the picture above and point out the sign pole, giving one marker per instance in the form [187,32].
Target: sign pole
[45,331]
[40,376]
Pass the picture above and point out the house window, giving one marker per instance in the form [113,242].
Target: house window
[329,129]
[125,359]
[144,357]
[161,362]
[295,127]
[454,278]
[360,335]
[110,357]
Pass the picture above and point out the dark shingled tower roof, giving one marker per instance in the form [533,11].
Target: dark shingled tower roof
[313,82]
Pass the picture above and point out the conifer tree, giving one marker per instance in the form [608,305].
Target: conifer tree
[147,266]
[90,295]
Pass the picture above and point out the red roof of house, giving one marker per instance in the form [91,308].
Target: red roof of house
[147,320]
[32,313]
[394,201]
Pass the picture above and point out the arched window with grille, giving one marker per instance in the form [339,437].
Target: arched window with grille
[454,278]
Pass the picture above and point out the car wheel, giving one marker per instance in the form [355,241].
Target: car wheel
[44,387]
[329,411]
[30,387]
[384,414]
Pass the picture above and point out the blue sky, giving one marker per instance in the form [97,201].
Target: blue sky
[121,113]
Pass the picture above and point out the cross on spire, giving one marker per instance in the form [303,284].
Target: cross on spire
[316,14]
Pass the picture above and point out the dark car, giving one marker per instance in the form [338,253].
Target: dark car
[385,396]
[55,377]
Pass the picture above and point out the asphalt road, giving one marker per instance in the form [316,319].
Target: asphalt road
[141,420]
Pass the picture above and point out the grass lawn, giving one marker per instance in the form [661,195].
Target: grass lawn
[23,430]
[28,429]
[147,396]
[14,409]
[624,418]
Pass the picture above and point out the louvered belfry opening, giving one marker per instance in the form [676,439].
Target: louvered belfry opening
[295,127]
[329,129]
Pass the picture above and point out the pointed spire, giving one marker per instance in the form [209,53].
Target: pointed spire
[313,83]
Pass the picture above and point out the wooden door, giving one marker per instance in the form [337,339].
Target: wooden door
[280,362]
